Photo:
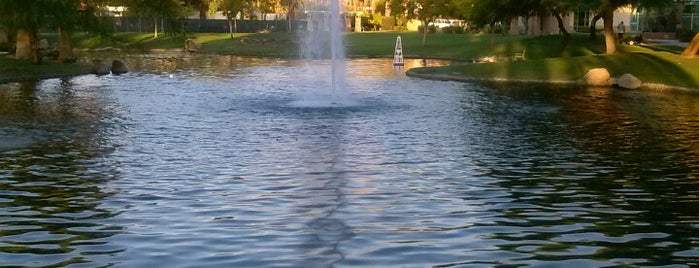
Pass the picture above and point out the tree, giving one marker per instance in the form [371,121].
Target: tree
[426,11]
[606,9]
[65,17]
[559,8]
[231,9]
[157,9]
[26,16]
[264,7]
[202,6]
[290,6]
[691,50]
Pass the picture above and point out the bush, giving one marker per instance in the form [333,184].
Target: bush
[432,29]
[448,29]
[7,47]
[685,35]
[388,23]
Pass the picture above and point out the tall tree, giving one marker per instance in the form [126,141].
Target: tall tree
[231,9]
[606,9]
[157,10]
[559,8]
[291,6]
[65,17]
[202,6]
[426,11]
[26,16]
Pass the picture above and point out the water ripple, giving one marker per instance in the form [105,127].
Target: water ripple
[221,161]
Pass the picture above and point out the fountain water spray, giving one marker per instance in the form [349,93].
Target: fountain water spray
[323,40]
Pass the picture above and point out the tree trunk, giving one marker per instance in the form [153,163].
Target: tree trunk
[692,48]
[679,11]
[230,27]
[593,27]
[155,31]
[424,32]
[609,36]
[65,45]
[27,46]
[566,34]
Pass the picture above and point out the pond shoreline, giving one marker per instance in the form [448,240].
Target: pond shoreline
[504,81]
[89,69]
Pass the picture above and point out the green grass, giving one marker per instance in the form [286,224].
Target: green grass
[466,46]
[13,70]
[649,65]
[369,44]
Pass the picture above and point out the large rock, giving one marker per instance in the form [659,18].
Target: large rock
[118,67]
[101,68]
[191,46]
[598,77]
[629,81]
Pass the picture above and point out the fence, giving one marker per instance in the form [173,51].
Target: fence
[135,24]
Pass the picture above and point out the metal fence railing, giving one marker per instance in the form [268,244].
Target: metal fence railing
[136,24]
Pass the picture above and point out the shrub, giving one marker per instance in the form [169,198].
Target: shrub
[448,29]
[685,35]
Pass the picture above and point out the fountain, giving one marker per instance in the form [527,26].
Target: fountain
[323,41]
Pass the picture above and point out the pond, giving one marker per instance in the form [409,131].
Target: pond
[219,161]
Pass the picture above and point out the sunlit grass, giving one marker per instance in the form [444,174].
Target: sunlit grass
[648,65]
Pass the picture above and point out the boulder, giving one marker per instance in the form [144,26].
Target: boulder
[101,68]
[598,77]
[118,67]
[44,44]
[191,46]
[629,81]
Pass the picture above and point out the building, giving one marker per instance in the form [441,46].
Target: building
[573,22]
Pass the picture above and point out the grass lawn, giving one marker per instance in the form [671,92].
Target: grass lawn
[13,70]
[648,65]
[369,44]
[544,62]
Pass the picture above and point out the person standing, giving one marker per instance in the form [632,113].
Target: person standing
[620,30]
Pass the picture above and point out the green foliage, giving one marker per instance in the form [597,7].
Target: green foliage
[453,30]
[25,14]
[685,35]
[157,8]
[231,8]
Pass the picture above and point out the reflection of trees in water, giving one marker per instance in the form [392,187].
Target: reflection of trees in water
[605,175]
[50,173]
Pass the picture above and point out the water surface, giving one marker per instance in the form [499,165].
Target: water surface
[236,162]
